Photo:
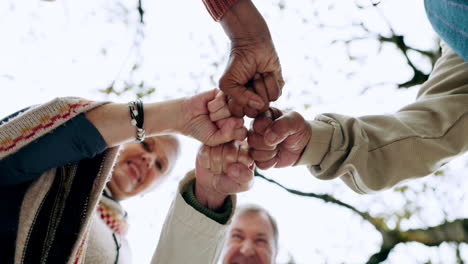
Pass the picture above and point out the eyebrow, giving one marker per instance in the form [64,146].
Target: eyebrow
[237,230]
[260,234]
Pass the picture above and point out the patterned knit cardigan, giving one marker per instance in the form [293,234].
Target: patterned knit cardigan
[57,208]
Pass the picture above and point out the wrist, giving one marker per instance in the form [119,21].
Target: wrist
[210,199]
[185,116]
[243,23]
[164,117]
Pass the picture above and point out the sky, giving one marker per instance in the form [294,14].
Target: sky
[75,48]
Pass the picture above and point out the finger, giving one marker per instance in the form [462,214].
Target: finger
[227,185]
[218,102]
[222,122]
[265,119]
[257,142]
[203,157]
[235,108]
[230,152]
[278,75]
[240,174]
[220,114]
[216,158]
[243,96]
[240,133]
[231,128]
[263,155]
[264,165]
[283,127]
[243,155]
[233,80]
[285,159]
[250,112]
[261,90]
[202,99]
[275,113]
[272,86]
[261,123]
[238,123]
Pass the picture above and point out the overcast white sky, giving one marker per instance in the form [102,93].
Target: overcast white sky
[64,48]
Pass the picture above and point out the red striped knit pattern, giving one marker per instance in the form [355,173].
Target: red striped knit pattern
[217,8]
[113,220]
[80,254]
[45,123]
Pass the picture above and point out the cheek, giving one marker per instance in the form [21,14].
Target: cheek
[265,255]
[152,179]
[230,249]
[121,179]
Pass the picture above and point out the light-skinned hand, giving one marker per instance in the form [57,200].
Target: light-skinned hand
[197,119]
[221,171]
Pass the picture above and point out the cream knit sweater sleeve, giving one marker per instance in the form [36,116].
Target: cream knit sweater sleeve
[189,236]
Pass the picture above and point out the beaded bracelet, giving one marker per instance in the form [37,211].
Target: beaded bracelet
[138,117]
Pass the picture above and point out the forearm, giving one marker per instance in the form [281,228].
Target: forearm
[185,227]
[376,152]
[217,8]
[113,121]
[243,22]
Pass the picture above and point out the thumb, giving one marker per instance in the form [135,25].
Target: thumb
[230,129]
[283,127]
[265,119]
[233,81]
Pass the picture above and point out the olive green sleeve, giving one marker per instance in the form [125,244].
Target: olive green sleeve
[221,215]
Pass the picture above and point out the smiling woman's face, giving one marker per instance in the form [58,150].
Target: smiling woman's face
[141,166]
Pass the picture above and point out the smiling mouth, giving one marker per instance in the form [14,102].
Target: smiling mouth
[134,171]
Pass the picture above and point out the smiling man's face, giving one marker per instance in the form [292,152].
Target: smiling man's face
[141,166]
[250,240]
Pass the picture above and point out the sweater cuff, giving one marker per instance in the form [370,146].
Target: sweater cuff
[319,143]
[221,216]
[217,8]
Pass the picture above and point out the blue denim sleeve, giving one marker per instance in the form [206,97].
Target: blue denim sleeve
[450,20]
[75,140]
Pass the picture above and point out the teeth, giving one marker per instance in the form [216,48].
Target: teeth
[136,170]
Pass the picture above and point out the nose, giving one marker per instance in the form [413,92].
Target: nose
[149,159]
[248,248]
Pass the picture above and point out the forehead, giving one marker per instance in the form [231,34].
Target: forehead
[167,144]
[252,223]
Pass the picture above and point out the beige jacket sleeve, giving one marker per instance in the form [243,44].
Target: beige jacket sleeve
[372,153]
[188,236]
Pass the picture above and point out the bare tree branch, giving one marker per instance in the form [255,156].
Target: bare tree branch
[455,231]
[379,225]
[458,255]
[141,12]
[398,41]
[380,256]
